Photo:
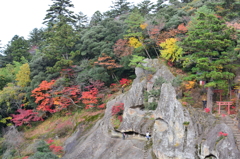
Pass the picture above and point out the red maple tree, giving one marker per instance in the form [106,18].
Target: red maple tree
[50,100]
[25,117]
[89,98]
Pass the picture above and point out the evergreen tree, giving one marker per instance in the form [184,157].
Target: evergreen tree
[100,39]
[59,11]
[18,47]
[209,51]
[96,18]
[145,7]
[36,36]
[81,21]
[61,41]
[119,7]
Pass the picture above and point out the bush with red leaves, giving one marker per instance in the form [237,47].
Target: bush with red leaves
[25,117]
[118,109]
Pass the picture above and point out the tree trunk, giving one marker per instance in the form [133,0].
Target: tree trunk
[210,98]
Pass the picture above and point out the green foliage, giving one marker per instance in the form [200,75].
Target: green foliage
[115,122]
[186,123]
[159,81]
[118,8]
[145,7]
[23,76]
[154,93]
[59,12]
[10,98]
[16,49]
[43,155]
[36,37]
[96,18]
[4,120]
[95,73]
[3,81]
[177,81]
[151,106]
[188,98]
[43,152]
[42,146]
[100,39]
[59,65]
[60,42]
[137,61]
[3,146]
[209,48]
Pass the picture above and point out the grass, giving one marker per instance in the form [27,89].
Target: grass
[61,126]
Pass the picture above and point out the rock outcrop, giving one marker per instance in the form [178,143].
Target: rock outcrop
[176,132]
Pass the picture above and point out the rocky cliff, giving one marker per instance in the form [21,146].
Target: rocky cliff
[176,131]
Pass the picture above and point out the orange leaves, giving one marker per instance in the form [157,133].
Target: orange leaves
[50,100]
[143,26]
[189,84]
[182,28]
[40,92]
[121,48]
[89,98]
[107,62]
[171,33]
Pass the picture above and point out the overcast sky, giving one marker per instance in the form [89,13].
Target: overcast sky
[20,17]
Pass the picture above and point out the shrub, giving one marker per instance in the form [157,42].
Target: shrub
[118,109]
[25,117]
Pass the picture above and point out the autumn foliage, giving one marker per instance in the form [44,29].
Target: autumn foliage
[107,62]
[222,134]
[125,81]
[89,98]
[118,109]
[55,149]
[25,117]
[171,33]
[50,100]
[121,48]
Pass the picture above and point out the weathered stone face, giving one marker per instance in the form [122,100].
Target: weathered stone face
[170,137]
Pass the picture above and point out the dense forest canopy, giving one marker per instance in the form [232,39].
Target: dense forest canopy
[72,62]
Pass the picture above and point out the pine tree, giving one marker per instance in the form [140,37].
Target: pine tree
[119,7]
[18,47]
[59,11]
[209,51]
[60,42]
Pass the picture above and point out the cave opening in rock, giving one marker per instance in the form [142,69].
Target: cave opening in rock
[211,156]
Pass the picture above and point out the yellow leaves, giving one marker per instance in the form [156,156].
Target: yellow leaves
[171,51]
[23,76]
[4,121]
[189,85]
[143,26]
[134,42]
[219,68]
